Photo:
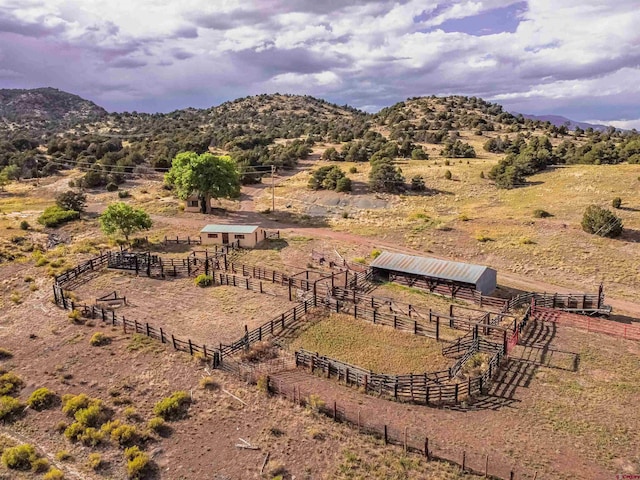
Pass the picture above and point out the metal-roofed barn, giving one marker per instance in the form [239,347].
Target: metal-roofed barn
[246,236]
[439,276]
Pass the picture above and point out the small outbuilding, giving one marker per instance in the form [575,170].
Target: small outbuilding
[434,274]
[246,236]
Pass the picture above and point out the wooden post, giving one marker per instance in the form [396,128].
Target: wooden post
[511,475]
[415,327]
[148,330]
[405,439]
[464,458]
[486,467]
[426,448]
[335,411]
[386,440]
[437,328]
[135,326]
[161,335]
[173,340]
[190,347]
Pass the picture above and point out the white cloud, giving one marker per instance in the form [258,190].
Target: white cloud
[572,56]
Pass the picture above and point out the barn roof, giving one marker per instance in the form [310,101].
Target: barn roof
[229,228]
[430,267]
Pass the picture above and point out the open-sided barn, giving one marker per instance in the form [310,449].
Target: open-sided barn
[433,273]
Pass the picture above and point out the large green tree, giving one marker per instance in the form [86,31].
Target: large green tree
[205,175]
[122,218]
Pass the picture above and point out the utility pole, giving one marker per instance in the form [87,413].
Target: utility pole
[273,189]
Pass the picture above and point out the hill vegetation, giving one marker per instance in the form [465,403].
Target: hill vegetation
[60,130]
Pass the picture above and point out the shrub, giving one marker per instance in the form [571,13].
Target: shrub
[447,174]
[539,213]
[55,216]
[99,339]
[130,413]
[91,437]
[343,184]
[111,187]
[63,456]
[71,200]
[75,316]
[483,238]
[10,383]
[24,225]
[20,457]
[95,461]
[73,403]
[375,253]
[315,403]
[5,354]
[417,184]
[173,407]
[123,194]
[617,202]
[9,407]
[54,474]
[156,424]
[208,383]
[353,170]
[138,464]
[74,431]
[482,174]
[602,222]
[92,416]
[121,433]
[41,399]
[40,465]
[203,280]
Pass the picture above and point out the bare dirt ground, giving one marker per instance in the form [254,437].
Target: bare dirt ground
[48,350]
[211,315]
[539,416]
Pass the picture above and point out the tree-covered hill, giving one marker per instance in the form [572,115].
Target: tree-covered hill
[45,130]
[45,107]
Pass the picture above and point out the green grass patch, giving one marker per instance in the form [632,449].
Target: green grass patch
[374,347]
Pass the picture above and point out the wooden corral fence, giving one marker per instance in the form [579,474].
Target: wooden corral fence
[412,438]
[427,388]
[107,316]
[268,330]
[407,318]
[185,241]
[590,324]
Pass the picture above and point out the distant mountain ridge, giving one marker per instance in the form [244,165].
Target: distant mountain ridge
[559,120]
[45,105]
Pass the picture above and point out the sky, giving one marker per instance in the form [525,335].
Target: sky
[578,58]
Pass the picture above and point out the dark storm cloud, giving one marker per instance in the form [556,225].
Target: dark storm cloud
[274,61]
[11,24]
[181,54]
[186,32]
[127,63]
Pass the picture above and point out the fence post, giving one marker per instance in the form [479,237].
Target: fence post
[104,318]
[426,448]
[455,392]
[405,439]
[486,466]
[135,326]
[335,411]
[415,327]
[173,340]
[148,330]
[464,458]
[190,347]
[437,327]
[386,440]
[161,335]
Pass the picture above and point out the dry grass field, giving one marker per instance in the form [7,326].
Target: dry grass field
[377,348]
[467,218]
[205,315]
